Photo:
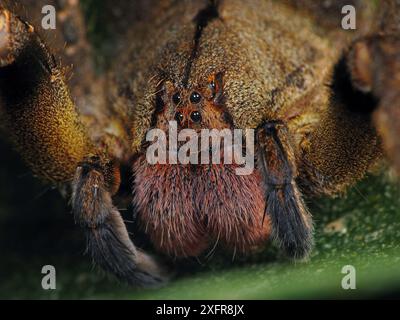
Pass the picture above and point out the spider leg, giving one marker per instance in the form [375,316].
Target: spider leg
[374,65]
[292,226]
[363,115]
[108,242]
[42,122]
[344,145]
[105,124]
[68,40]
[36,111]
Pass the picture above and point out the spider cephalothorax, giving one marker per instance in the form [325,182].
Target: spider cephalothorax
[187,207]
[318,100]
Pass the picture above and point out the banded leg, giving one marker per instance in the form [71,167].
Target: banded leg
[39,117]
[292,227]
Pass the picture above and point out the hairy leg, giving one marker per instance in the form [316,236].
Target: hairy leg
[344,145]
[291,222]
[39,117]
[374,66]
[364,111]
[108,242]
[36,110]
[68,40]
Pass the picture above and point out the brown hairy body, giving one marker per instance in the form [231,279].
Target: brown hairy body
[314,94]
[209,205]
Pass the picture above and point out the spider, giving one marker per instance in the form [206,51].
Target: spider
[323,102]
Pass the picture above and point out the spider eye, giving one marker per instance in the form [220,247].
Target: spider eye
[195,116]
[179,117]
[176,98]
[215,86]
[195,97]
[212,85]
[160,100]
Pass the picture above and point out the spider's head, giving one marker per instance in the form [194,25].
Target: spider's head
[192,107]
[185,207]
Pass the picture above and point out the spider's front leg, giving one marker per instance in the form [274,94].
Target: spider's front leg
[36,112]
[108,242]
[40,119]
[292,226]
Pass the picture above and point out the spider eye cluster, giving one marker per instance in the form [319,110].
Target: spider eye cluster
[195,117]
[187,104]
[194,98]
